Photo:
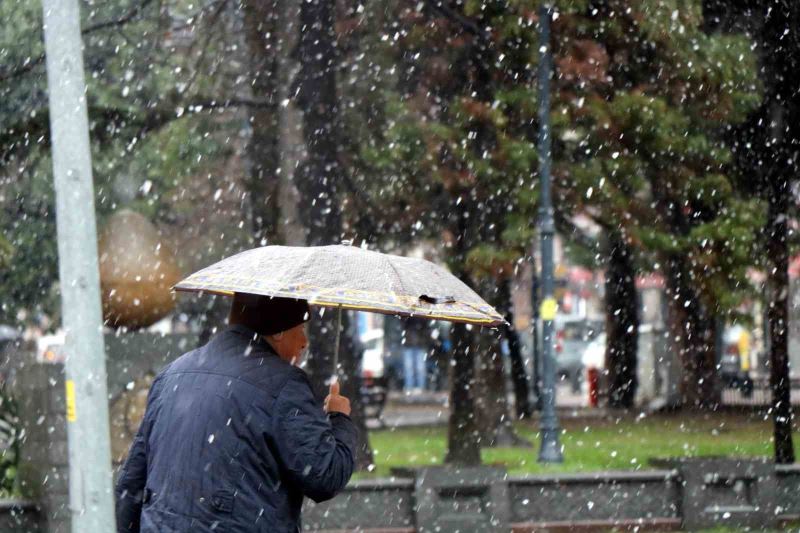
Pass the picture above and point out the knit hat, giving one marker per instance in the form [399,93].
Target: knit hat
[267,315]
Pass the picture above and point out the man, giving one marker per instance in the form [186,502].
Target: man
[233,438]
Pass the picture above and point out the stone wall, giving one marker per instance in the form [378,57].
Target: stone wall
[788,485]
[696,493]
[647,494]
[486,499]
[476,499]
[379,504]
[43,470]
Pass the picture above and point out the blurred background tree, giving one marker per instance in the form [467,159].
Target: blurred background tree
[644,97]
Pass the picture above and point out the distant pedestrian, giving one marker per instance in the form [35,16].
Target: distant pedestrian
[233,438]
[416,343]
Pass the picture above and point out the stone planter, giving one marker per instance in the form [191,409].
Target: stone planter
[725,491]
[458,499]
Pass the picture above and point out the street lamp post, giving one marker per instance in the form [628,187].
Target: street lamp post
[90,494]
[550,451]
[536,354]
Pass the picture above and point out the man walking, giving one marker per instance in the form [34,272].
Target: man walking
[233,438]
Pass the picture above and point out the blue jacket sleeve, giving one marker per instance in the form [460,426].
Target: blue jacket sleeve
[129,490]
[316,450]
[130,486]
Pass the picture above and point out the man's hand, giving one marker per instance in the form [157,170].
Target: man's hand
[335,403]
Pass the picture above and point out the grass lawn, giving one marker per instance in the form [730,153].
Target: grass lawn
[625,442]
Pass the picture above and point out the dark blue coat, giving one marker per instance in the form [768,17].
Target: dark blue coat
[232,440]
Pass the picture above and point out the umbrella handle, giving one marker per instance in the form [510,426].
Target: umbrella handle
[335,373]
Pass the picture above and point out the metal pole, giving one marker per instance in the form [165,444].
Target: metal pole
[90,492]
[535,352]
[335,376]
[550,451]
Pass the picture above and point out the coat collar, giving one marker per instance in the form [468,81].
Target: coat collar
[251,335]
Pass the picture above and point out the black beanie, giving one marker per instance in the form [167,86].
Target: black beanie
[267,315]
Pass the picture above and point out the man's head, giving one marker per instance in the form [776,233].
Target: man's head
[289,344]
[279,320]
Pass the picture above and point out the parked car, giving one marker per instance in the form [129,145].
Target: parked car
[573,335]
[374,380]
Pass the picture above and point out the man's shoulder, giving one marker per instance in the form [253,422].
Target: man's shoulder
[237,361]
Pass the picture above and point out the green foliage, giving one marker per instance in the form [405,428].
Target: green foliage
[644,96]
[487,261]
[21,44]
[6,252]
[149,180]
[27,219]
[444,143]
[640,97]
[9,456]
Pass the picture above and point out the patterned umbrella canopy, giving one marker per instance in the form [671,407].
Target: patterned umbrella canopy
[348,277]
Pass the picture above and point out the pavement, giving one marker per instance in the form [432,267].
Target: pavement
[427,409]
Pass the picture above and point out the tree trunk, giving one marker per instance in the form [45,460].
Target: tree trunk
[693,333]
[319,182]
[263,182]
[778,306]
[463,440]
[622,323]
[495,420]
[692,327]
[492,404]
[493,409]
[519,376]
[290,131]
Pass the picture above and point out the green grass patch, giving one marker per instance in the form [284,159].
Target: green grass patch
[616,443]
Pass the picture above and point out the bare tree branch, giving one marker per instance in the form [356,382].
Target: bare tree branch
[189,21]
[106,122]
[215,16]
[124,19]
[22,69]
[114,23]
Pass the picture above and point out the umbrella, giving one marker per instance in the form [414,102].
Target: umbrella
[346,277]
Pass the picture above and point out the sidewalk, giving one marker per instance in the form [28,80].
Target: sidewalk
[425,409]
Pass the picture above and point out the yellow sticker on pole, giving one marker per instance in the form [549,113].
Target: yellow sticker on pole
[548,309]
[72,416]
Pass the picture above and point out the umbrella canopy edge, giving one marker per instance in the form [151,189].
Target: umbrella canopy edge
[485,321]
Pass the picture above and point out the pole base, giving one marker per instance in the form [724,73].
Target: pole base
[550,452]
